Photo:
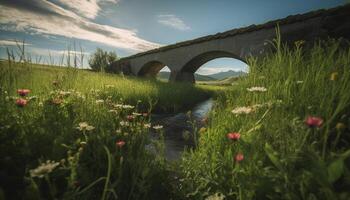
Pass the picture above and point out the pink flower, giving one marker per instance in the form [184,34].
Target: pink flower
[21,102]
[23,92]
[233,136]
[144,114]
[239,157]
[312,121]
[120,143]
[130,117]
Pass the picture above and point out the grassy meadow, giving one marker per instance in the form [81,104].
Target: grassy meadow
[282,132]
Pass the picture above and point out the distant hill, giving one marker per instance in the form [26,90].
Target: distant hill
[230,73]
[198,77]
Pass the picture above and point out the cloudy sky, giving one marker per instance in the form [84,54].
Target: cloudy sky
[131,26]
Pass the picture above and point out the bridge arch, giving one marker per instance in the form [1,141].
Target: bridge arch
[151,69]
[196,62]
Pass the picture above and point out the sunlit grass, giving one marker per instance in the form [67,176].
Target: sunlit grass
[286,156]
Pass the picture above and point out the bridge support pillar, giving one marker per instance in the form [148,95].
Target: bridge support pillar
[178,76]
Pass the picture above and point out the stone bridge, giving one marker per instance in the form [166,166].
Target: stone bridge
[184,58]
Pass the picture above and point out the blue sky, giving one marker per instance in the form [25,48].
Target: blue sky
[131,26]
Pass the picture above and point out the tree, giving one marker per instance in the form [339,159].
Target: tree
[102,59]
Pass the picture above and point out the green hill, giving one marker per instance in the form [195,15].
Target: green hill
[198,77]
[227,74]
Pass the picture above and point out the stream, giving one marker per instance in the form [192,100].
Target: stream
[177,126]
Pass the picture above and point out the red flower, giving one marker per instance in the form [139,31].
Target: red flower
[312,121]
[239,157]
[23,92]
[21,102]
[120,143]
[233,136]
[130,117]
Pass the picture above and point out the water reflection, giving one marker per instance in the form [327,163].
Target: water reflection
[175,125]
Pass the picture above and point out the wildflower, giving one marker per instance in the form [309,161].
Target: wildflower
[242,110]
[233,136]
[120,143]
[32,98]
[85,126]
[157,127]
[136,114]
[128,107]
[256,106]
[148,125]
[334,76]
[124,123]
[43,169]
[118,105]
[144,114]
[56,101]
[113,111]
[299,82]
[257,89]
[239,157]
[130,117]
[100,101]
[23,92]
[64,93]
[216,196]
[21,102]
[312,121]
[340,126]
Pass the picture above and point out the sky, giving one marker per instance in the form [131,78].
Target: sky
[130,26]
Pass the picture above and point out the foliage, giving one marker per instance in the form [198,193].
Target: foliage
[102,59]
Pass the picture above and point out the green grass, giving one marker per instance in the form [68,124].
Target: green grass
[283,157]
[90,163]
[160,96]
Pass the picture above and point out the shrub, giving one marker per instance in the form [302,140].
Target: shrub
[101,59]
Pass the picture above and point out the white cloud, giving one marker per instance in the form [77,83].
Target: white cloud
[86,8]
[46,18]
[13,43]
[173,22]
[47,52]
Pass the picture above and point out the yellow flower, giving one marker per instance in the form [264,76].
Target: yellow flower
[340,126]
[334,76]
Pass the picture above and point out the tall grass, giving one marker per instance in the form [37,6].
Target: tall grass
[82,135]
[284,158]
